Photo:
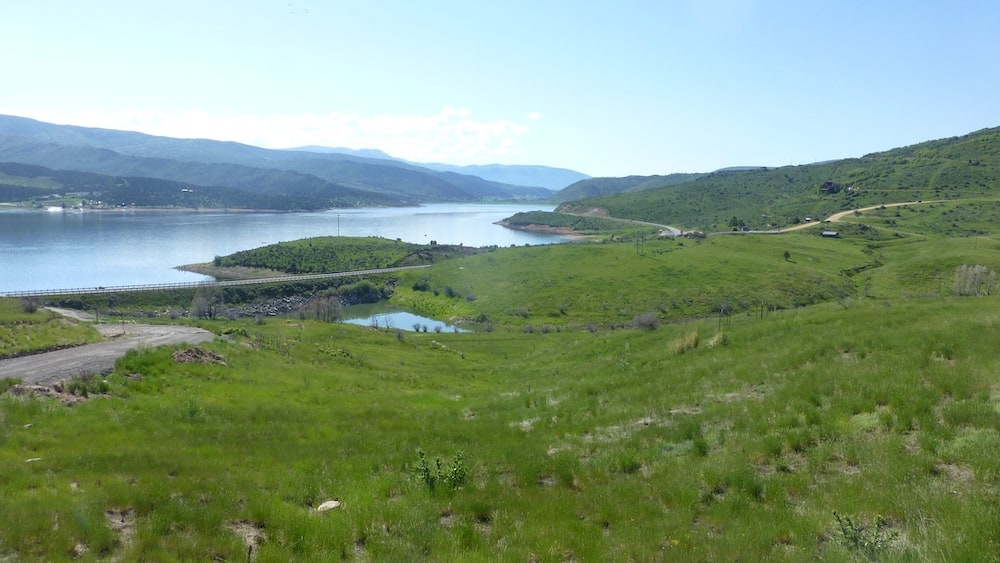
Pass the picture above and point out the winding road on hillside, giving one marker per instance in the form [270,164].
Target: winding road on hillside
[59,365]
[838,216]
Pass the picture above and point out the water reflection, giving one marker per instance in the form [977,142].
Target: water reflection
[384,316]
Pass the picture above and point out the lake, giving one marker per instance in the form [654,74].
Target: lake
[55,250]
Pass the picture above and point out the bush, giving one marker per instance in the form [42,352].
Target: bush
[83,386]
[868,539]
[453,476]
[685,343]
[206,303]
[327,309]
[648,321]
[974,280]
[30,304]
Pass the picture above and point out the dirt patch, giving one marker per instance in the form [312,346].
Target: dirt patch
[959,473]
[55,391]
[198,356]
[447,517]
[252,534]
[122,523]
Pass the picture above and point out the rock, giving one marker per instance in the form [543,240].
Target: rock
[328,505]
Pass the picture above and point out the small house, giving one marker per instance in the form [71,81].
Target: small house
[830,187]
[831,234]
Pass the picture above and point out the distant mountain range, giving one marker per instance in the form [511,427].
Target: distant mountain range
[304,178]
[512,174]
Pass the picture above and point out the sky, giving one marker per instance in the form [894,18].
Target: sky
[630,87]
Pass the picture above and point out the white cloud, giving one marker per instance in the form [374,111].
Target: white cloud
[453,135]
[534,115]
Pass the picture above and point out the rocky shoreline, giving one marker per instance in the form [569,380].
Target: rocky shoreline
[539,228]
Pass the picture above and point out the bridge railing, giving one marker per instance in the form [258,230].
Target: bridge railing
[197,285]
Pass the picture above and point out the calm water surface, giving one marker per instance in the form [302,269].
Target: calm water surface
[385,316]
[46,250]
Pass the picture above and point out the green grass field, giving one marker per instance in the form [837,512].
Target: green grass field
[684,442]
[608,285]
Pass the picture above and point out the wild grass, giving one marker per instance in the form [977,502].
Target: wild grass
[610,285]
[593,446]
[24,332]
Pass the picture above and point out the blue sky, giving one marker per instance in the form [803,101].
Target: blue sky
[605,88]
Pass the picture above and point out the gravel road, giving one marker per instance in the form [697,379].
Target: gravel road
[49,367]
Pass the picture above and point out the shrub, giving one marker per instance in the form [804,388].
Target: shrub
[685,343]
[974,280]
[83,386]
[326,309]
[868,539]
[453,475]
[648,321]
[30,304]
[206,303]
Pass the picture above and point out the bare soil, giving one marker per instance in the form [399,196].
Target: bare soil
[50,367]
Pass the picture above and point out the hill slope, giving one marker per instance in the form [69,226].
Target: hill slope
[607,186]
[953,168]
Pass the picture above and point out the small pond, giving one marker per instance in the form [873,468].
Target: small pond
[380,315]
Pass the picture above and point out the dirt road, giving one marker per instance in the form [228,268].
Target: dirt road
[838,216]
[49,367]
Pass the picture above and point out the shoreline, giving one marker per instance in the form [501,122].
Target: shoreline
[544,229]
[230,273]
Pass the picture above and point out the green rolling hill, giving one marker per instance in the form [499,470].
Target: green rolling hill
[770,198]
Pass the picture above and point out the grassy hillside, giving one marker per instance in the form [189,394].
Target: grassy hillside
[955,168]
[591,187]
[339,254]
[817,433]
[574,224]
[610,285]
[24,329]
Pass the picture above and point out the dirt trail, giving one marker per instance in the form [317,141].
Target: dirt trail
[838,216]
[49,367]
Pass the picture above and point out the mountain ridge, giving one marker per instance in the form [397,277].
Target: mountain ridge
[52,145]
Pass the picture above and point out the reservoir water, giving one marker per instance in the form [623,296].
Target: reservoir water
[56,250]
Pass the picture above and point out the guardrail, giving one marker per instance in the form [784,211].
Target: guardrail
[197,285]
